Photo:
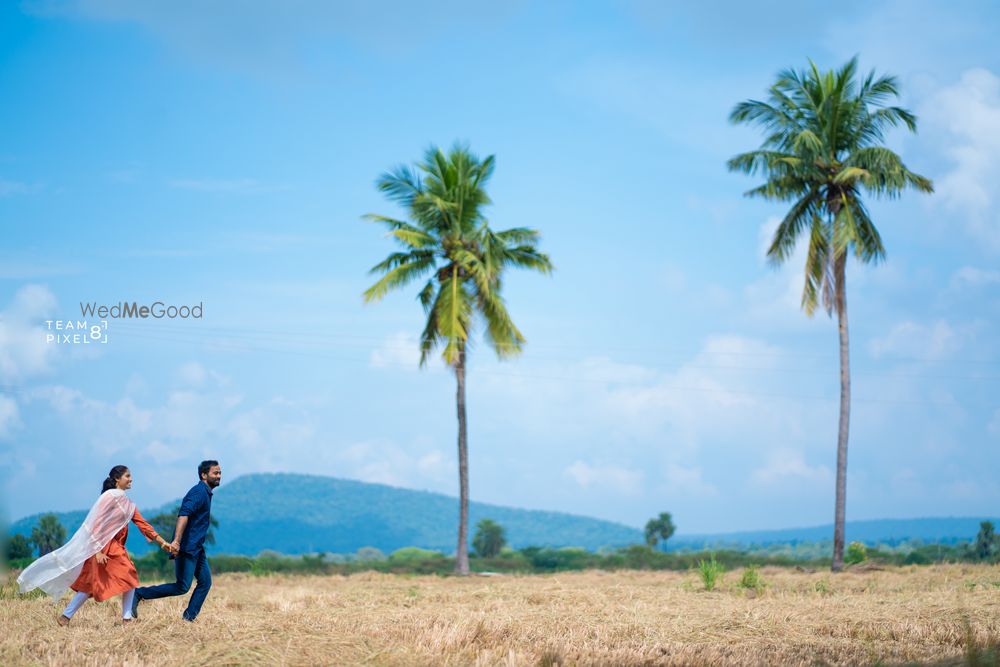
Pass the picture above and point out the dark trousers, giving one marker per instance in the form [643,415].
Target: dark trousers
[186,566]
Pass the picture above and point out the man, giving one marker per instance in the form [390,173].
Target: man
[193,521]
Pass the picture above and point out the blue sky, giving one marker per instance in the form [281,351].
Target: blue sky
[225,155]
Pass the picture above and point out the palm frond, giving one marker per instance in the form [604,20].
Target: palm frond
[802,214]
[816,270]
[400,185]
[399,276]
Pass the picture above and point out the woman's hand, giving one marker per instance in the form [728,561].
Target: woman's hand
[101,558]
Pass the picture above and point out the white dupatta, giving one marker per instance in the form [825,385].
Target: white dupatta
[55,571]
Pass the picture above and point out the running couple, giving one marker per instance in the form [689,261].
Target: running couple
[94,562]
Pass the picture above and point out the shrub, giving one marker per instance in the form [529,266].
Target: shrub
[412,554]
[751,579]
[710,572]
[552,560]
[368,554]
[856,553]
[490,538]
[17,547]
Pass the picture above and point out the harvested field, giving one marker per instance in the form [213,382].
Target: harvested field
[894,616]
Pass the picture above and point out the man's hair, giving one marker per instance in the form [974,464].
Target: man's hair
[205,466]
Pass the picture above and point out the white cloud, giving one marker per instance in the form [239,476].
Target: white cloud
[23,350]
[923,341]
[400,350]
[193,375]
[384,462]
[162,454]
[774,300]
[434,465]
[910,36]
[103,426]
[615,478]
[787,465]
[8,416]
[687,481]
[207,419]
[964,119]
[970,276]
[965,489]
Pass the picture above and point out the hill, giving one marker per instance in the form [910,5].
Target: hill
[297,514]
[945,530]
[304,513]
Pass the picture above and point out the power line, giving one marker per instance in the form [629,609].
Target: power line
[321,342]
[559,378]
[285,334]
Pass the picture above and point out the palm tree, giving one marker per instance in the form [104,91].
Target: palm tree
[448,241]
[823,149]
[659,529]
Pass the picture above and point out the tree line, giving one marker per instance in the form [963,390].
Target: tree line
[491,553]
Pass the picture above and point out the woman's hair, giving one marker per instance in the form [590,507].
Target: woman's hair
[113,477]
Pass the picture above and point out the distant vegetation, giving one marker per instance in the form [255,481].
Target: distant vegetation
[491,555]
[540,560]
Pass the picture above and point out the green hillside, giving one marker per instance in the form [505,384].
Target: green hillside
[305,513]
[296,514]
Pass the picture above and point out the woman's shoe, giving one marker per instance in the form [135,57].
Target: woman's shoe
[62,620]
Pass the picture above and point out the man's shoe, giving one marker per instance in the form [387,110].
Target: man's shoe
[135,605]
[63,620]
[189,620]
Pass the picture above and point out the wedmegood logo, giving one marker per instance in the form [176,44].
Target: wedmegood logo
[157,310]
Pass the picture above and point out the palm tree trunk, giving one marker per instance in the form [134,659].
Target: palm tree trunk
[845,415]
[462,553]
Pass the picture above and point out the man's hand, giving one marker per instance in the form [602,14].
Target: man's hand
[174,547]
[100,558]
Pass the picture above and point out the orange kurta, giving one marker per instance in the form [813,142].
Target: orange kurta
[118,574]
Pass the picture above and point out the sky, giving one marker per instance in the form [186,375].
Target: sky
[224,154]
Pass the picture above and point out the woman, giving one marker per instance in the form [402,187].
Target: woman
[95,559]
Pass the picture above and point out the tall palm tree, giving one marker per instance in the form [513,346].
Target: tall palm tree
[823,150]
[449,241]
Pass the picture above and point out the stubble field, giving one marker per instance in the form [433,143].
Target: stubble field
[937,615]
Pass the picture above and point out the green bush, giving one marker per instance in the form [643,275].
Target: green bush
[856,553]
[710,572]
[490,539]
[751,579]
[916,558]
[369,554]
[555,560]
[412,554]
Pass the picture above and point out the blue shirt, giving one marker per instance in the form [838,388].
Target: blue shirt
[197,507]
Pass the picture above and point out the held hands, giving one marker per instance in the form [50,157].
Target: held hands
[172,548]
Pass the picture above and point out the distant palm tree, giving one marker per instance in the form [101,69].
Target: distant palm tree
[448,240]
[48,535]
[822,150]
[659,529]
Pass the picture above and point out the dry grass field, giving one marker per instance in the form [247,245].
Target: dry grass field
[925,615]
